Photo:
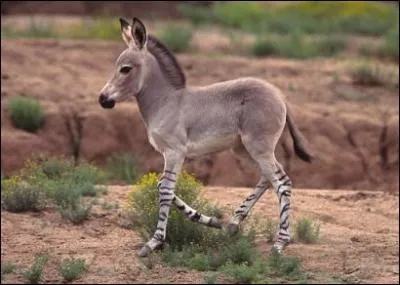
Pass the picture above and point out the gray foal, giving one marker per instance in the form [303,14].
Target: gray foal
[246,115]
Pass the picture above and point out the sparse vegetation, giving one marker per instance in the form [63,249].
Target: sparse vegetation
[176,37]
[26,113]
[123,166]
[180,231]
[34,274]
[295,46]
[310,17]
[71,269]
[7,268]
[270,228]
[19,197]
[306,231]
[53,181]
[370,74]
[76,213]
[198,247]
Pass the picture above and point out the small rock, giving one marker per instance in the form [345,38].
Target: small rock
[355,239]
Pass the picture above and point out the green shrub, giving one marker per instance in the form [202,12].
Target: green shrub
[26,113]
[239,252]
[390,47]
[76,213]
[263,47]
[284,266]
[306,231]
[368,74]
[180,231]
[123,167]
[71,269]
[244,273]
[269,229]
[35,274]
[7,268]
[176,38]
[100,28]
[62,181]
[331,45]
[33,30]
[17,196]
[296,46]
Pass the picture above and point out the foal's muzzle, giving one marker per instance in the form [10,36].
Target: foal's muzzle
[105,102]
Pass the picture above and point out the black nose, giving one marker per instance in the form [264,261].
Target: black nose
[105,103]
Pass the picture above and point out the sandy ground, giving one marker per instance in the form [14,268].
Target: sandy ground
[359,238]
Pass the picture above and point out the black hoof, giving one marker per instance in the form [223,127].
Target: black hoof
[144,252]
[215,223]
[232,229]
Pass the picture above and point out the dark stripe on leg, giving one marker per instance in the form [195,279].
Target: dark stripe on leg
[196,217]
[284,209]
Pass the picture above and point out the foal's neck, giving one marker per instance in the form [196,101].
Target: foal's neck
[155,94]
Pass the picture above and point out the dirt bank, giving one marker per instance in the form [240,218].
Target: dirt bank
[355,140]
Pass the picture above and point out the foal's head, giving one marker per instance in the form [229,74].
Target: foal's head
[130,69]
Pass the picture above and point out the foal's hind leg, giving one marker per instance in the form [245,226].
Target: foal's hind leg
[283,188]
[263,152]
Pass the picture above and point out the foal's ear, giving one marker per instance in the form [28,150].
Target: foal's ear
[139,34]
[126,31]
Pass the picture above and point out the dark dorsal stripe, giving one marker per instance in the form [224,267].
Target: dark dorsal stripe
[167,61]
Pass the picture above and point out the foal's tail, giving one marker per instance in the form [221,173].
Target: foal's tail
[298,139]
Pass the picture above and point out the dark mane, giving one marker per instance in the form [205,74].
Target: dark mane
[167,61]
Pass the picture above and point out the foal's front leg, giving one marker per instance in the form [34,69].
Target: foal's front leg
[166,188]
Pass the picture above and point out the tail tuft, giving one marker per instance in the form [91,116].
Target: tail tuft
[298,140]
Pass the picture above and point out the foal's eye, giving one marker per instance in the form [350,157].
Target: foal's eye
[125,69]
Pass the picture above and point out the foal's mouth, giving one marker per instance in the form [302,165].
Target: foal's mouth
[105,103]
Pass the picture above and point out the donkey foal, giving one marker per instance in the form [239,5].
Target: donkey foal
[246,115]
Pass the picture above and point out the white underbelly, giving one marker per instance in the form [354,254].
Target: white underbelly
[210,145]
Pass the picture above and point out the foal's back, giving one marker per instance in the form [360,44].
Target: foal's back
[220,113]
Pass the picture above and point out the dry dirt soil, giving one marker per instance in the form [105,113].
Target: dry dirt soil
[359,238]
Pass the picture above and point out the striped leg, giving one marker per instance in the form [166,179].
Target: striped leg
[166,187]
[242,212]
[193,215]
[283,187]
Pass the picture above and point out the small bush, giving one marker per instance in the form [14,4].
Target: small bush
[284,266]
[17,196]
[62,181]
[76,213]
[369,74]
[269,229]
[240,252]
[35,274]
[71,268]
[263,47]
[26,113]
[176,38]
[33,30]
[243,273]
[7,268]
[330,46]
[296,46]
[100,28]
[180,231]
[123,167]
[306,231]
[390,48]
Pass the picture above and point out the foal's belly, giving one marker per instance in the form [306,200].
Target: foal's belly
[212,144]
